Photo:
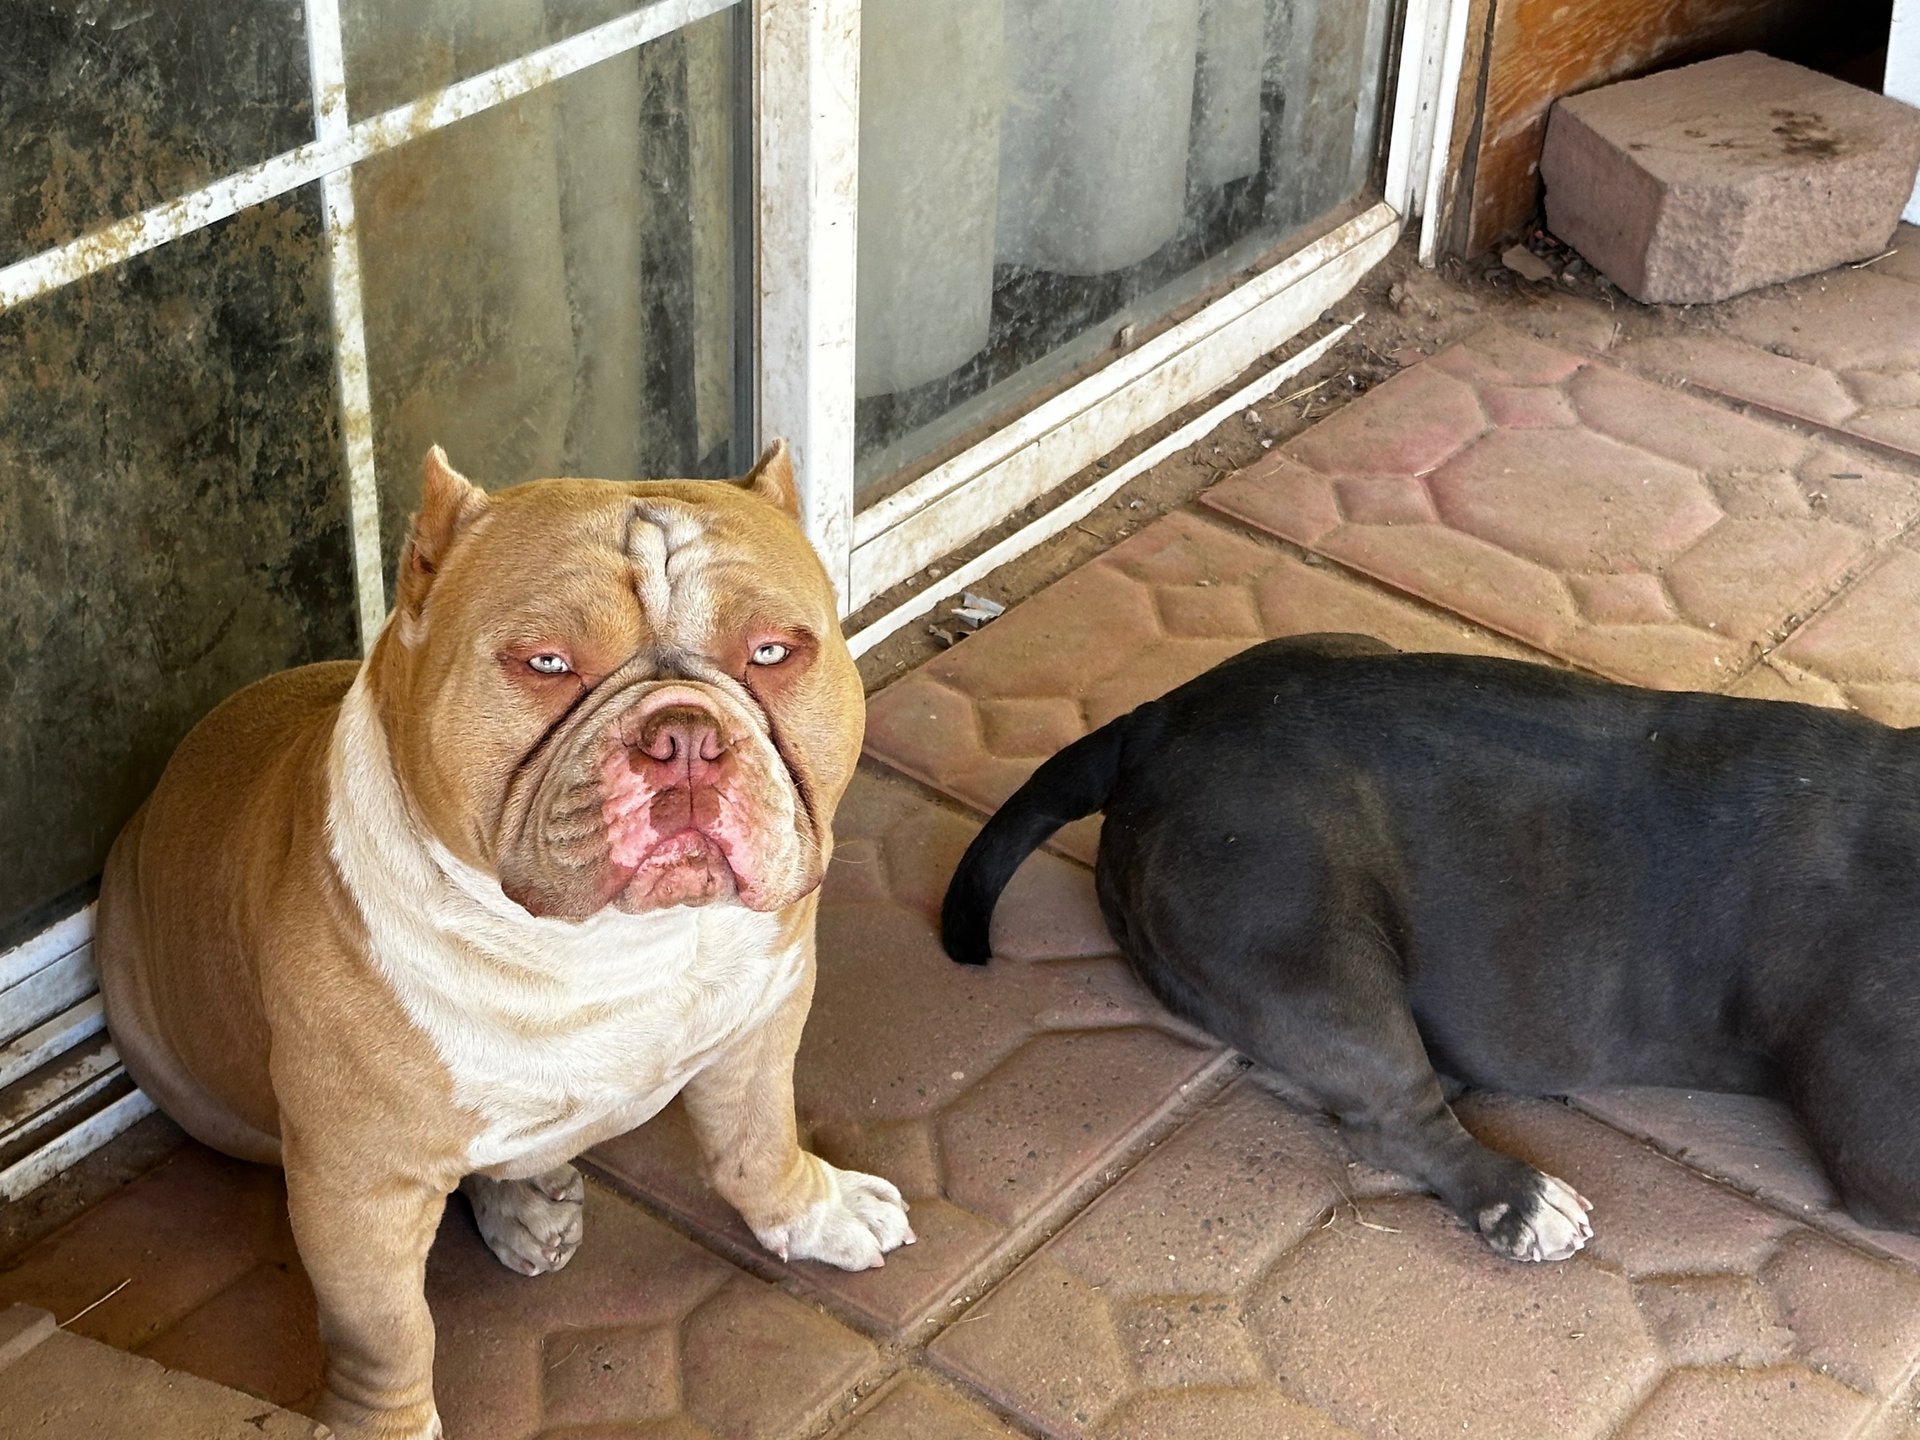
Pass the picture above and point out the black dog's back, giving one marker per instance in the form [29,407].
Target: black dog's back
[1568,882]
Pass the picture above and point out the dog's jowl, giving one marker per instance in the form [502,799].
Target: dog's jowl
[1369,871]
[547,858]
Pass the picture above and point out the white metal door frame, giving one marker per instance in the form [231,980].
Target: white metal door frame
[810,67]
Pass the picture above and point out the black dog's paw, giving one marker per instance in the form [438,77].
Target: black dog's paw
[1545,1219]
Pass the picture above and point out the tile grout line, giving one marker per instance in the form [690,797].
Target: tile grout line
[1203,1087]
[1876,556]
[1307,555]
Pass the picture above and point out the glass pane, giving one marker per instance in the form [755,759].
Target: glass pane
[110,106]
[1036,175]
[552,286]
[400,50]
[172,523]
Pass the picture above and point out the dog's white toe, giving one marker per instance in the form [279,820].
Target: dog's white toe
[853,1225]
[1550,1224]
[532,1226]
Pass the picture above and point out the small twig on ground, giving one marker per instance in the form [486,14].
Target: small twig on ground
[98,1303]
[1875,260]
[1284,399]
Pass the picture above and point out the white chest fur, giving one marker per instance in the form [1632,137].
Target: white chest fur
[555,1035]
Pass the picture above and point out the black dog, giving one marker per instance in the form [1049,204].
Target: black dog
[1359,867]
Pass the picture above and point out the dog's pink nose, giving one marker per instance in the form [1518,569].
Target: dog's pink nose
[683,741]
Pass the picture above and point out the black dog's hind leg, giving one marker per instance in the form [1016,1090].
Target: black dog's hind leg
[1349,1045]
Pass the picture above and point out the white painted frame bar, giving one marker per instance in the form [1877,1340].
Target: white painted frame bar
[807,143]
[1903,74]
[1439,142]
[326,66]
[47,992]
[947,507]
[1416,95]
[69,1028]
[40,1165]
[56,942]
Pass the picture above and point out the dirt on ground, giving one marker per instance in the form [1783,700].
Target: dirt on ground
[1404,313]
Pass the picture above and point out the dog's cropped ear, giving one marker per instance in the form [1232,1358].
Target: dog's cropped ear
[771,478]
[449,503]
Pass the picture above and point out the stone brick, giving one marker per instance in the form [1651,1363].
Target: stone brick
[1699,183]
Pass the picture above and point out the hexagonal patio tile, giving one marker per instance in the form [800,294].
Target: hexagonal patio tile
[1657,538]
[1862,651]
[1840,350]
[1154,611]
[1246,1276]
[988,1095]
[642,1328]
[914,1406]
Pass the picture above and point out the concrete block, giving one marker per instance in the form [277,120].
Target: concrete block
[57,1386]
[1702,182]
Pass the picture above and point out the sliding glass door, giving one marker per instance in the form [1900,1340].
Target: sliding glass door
[260,256]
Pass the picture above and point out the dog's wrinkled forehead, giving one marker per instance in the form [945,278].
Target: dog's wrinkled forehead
[666,544]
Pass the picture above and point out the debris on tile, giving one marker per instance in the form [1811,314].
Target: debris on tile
[973,611]
[1524,263]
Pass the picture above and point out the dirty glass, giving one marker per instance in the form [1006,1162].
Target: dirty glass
[399,50]
[172,524]
[552,286]
[108,107]
[1038,175]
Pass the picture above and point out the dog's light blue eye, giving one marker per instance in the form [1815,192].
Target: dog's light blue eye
[770,653]
[548,665]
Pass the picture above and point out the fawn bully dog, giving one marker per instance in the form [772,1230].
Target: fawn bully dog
[547,858]
[1362,868]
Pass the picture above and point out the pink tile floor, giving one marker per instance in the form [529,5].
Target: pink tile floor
[1121,1234]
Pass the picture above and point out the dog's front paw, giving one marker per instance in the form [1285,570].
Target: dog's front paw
[851,1221]
[348,1421]
[533,1226]
[1547,1220]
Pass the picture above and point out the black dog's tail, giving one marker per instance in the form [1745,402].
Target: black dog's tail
[1075,782]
